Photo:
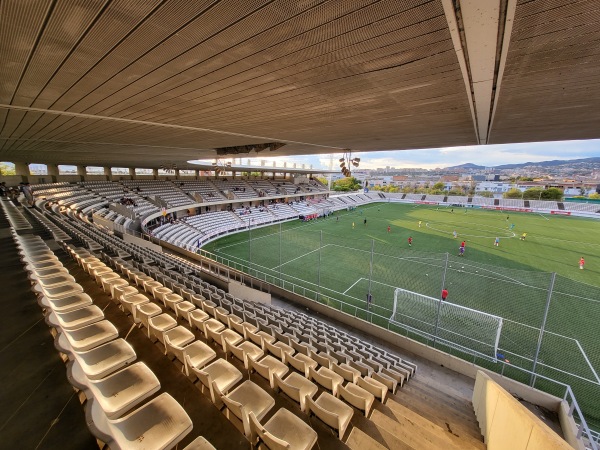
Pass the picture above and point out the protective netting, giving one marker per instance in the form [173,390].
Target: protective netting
[457,326]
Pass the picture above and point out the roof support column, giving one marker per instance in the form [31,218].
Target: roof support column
[155,174]
[132,172]
[22,169]
[52,170]
[108,173]
[177,174]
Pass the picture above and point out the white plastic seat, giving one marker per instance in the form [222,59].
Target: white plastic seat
[175,341]
[144,312]
[158,325]
[300,362]
[183,310]
[91,336]
[55,281]
[323,359]
[225,334]
[161,423]
[332,411]
[212,325]
[104,278]
[197,355]
[349,373]
[283,431]
[105,359]
[247,397]
[197,317]
[386,380]
[130,302]
[267,367]
[326,378]
[356,396]
[67,304]
[108,283]
[278,349]
[79,318]
[61,291]
[395,375]
[296,387]
[123,390]
[171,300]
[117,292]
[244,351]
[223,374]
[376,388]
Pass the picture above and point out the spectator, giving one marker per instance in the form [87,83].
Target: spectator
[444,294]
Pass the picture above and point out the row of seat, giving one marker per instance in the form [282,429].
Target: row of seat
[98,361]
[247,401]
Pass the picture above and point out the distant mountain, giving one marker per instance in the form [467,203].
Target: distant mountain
[555,162]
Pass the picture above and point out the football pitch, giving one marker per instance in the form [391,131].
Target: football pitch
[338,260]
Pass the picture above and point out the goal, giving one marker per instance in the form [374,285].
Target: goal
[465,329]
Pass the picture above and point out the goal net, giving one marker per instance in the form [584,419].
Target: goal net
[466,329]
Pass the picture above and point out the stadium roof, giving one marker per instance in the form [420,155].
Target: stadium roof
[150,83]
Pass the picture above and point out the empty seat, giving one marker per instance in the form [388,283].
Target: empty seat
[183,310]
[222,373]
[326,378]
[267,367]
[247,398]
[77,318]
[121,391]
[356,396]
[376,388]
[296,387]
[300,362]
[161,423]
[176,339]
[144,312]
[349,373]
[244,351]
[200,443]
[197,317]
[284,430]
[90,336]
[278,349]
[105,359]
[332,411]
[158,325]
[386,380]
[197,355]
[131,302]
[66,304]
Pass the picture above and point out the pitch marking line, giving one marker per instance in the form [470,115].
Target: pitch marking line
[301,256]
[355,283]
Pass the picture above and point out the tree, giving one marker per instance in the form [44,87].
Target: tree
[513,193]
[7,169]
[552,194]
[594,196]
[347,184]
[532,194]
[439,186]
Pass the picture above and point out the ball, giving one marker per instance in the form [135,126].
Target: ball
[462,267]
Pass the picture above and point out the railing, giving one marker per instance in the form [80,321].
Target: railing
[323,296]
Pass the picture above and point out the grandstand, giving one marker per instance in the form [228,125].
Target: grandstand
[120,330]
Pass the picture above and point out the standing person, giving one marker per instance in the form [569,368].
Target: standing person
[389,229]
[507,217]
[3,189]
[420,223]
[410,241]
[461,251]
[353,225]
[523,236]
[444,294]
[365,222]
[497,242]
[369,299]
[337,218]
[28,193]
[455,234]
[512,225]
[581,263]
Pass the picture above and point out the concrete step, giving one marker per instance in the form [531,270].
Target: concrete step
[450,426]
[416,432]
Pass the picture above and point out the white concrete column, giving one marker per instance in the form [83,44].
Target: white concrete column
[81,171]
[108,173]
[177,174]
[155,173]
[132,173]
[52,169]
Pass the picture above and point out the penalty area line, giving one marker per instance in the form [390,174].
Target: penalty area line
[355,283]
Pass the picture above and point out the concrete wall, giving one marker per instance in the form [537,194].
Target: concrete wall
[569,427]
[239,290]
[506,424]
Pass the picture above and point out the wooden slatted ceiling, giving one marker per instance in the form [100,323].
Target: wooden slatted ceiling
[365,74]
[551,87]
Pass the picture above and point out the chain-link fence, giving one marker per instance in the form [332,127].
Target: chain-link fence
[549,323]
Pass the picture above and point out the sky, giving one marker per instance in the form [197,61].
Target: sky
[488,155]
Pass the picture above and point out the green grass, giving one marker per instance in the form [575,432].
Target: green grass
[330,261]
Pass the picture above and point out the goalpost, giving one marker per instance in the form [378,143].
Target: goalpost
[466,329]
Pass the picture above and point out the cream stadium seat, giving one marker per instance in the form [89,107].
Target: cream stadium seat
[197,355]
[244,351]
[161,422]
[105,359]
[247,398]
[66,304]
[284,430]
[130,302]
[332,411]
[296,387]
[267,367]
[144,312]
[300,362]
[176,339]
[88,337]
[222,373]
[77,318]
[376,388]
[356,396]
[158,325]
[326,378]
